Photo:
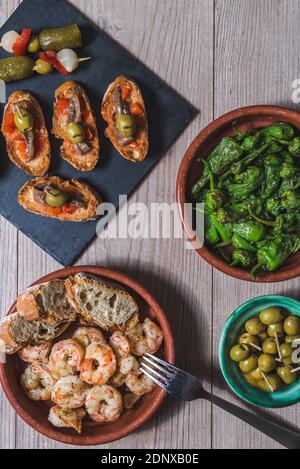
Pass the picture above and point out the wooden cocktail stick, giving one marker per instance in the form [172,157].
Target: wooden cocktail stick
[256,347]
[278,346]
[268,382]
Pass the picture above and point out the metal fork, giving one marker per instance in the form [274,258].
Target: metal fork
[187,387]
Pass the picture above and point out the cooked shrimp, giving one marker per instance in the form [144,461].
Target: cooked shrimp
[138,383]
[67,418]
[129,400]
[88,335]
[145,338]
[69,392]
[37,382]
[99,364]
[35,353]
[120,344]
[117,379]
[65,358]
[104,404]
[127,364]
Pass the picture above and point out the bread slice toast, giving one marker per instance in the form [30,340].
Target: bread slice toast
[47,302]
[36,164]
[43,313]
[72,105]
[81,205]
[137,149]
[101,303]
[16,332]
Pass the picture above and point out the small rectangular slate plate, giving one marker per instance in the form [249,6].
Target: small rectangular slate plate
[168,114]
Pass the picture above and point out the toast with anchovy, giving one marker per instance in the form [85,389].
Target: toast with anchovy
[54,197]
[124,111]
[74,123]
[26,135]
[101,303]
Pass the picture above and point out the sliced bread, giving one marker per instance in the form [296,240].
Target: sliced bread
[47,303]
[72,105]
[16,332]
[81,200]
[36,164]
[136,148]
[101,303]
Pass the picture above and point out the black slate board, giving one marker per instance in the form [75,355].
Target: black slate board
[168,114]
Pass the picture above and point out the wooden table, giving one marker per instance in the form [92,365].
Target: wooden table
[220,55]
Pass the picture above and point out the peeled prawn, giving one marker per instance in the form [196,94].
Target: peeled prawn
[69,392]
[88,335]
[35,353]
[99,364]
[138,383]
[145,338]
[37,382]
[120,344]
[104,404]
[127,364]
[65,358]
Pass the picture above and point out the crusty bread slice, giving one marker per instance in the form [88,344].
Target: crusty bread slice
[133,152]
[11,345]
[39,165]
[47,302]
[101,303]
[80,162]
[16,332]
[73,187]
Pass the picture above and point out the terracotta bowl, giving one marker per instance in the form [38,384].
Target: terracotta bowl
[191,169]
[35,414]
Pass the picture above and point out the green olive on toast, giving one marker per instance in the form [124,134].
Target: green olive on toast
[74,123]
[25,133]
[54,197]
[124,111]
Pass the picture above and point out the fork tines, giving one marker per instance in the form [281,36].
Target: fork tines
[160,372]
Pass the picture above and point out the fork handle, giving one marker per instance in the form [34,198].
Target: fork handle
[282,435]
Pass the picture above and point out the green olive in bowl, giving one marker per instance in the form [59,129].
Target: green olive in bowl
[282,387]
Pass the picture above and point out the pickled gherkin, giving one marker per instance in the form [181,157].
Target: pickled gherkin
[57,39]
[16,68]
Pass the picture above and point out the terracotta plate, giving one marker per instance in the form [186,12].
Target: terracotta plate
[35,413]
[191,169]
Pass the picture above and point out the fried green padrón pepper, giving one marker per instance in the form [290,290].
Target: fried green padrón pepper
[221,222]
[238,242]
[246,183]
[272,176]
[214,197]
[290,201]
[293,146]
[275,252]
[226,153]
[279,131]
[211,233]
[251,189]
[250,230]
[242,258]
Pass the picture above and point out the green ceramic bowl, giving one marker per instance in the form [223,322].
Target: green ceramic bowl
[287,396]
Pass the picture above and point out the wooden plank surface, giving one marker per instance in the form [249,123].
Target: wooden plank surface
[254,64]
[164,35]
[218,56]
